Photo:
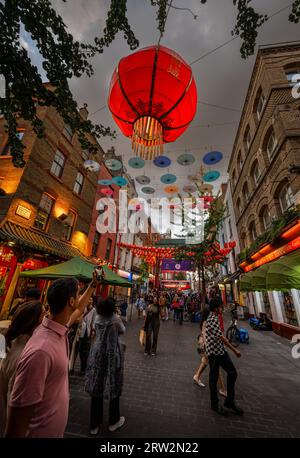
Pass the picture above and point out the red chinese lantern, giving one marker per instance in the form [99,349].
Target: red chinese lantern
[153,98]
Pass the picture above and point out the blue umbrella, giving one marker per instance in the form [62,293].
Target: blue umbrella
[148,190]
[113,164]
[162,161]
[119,181]
[142,179]
[211,176]
[213,157]
[136,163]
[168,178]
[104,182]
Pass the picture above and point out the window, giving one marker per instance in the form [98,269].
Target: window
[266,218]
[260,106]
[95,244]
[70,225]
[247,138]
[44,212]
[240,161]
[108,248]
[78,184]
[256,173]
[68,132]
[252,231]
[58,164]
[286,198]
[246,193]
[6,149]
[271,145]
[239,207]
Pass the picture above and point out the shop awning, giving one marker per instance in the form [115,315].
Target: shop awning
[284,274]
[259,278]
[29,237]
[246,282]
[77,268]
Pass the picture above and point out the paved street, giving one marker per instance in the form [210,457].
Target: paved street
[160,399]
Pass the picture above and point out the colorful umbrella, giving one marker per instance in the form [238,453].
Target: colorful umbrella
[136,163]
[113,164]
[91,166]
[213,157]
[189,189]
[186,159]
[211,176]
[148,190]
[162,161]
[142,179]
[104,182]
[119,181]
[107,191]
[171,189]
[168,178]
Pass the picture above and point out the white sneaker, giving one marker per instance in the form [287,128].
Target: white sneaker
[198,382]
[223,393]
[201,384]
[117,425]
[95,431]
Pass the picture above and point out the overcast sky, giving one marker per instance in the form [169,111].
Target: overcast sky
[222,78]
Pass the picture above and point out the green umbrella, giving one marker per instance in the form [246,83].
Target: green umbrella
[259,277]
[78,268]
[246,282]
[284,274]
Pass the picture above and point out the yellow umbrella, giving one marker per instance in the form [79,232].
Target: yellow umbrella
[10,293]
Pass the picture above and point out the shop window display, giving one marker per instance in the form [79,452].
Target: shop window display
[286,299]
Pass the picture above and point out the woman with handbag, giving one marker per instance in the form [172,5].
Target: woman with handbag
[105,366]
[152,324]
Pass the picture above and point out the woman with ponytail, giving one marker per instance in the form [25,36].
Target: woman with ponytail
[26,318]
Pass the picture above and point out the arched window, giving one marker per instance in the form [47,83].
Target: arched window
[243,240]
[245,192]
[240,161]
[286,198]
[252,231]
[265,218]
[292,72]
[271,144]
[233,178]
[247,138]
[255,172]
[259,104]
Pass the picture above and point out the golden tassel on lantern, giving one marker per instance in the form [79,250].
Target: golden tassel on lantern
[147,138]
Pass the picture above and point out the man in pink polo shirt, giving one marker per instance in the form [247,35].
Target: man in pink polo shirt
[40,398]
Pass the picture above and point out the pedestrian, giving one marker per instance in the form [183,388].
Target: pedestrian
[25,320]
[104,374]
[85,336]
[152,325]
[204,359]
[175,307]
[163,307]
[32,294]
[140,306]
[123,310]
[40,396]
[218,357]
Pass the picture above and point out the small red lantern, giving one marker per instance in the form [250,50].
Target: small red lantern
[153,98]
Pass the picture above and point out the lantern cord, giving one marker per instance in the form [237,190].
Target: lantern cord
[167,14]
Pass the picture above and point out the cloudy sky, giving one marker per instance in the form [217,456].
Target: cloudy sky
[222,77]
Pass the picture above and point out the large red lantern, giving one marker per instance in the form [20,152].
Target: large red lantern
[153,98]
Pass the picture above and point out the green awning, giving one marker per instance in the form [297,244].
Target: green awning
[77,268]
[259,278]
[284,274]
[246,282]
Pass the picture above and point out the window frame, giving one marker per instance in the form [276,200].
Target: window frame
[79,184]
[68,132]
[263,104]
[275,144]
[256,177]
[288,196]
[56,164]
[70,227]
[41,210]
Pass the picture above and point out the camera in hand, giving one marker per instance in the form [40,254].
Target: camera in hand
[100,273]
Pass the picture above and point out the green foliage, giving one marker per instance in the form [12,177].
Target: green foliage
[65,58]
[144,269]
[271,234]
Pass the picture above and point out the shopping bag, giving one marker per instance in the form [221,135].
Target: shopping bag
[142,337]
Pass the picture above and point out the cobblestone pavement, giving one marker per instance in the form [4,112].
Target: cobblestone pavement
[160,399]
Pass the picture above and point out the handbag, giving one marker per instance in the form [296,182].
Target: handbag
[142,337]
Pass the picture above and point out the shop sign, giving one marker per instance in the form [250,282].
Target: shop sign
[288,248]
[23,212]
[172,265]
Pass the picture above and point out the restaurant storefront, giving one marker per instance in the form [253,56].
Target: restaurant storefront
[272,281]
